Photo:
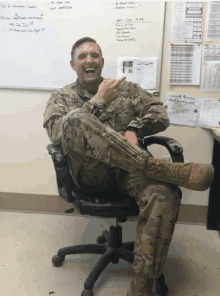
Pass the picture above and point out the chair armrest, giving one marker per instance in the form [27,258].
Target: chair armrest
[174,147]
[65,183]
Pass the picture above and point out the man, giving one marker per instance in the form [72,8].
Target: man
[98,123]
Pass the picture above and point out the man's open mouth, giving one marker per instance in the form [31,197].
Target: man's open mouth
[89,70]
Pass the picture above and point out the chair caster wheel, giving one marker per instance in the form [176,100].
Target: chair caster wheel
[57,260]
[87,293]
[103,238]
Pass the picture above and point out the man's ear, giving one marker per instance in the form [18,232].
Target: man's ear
[103,62]
[72,64]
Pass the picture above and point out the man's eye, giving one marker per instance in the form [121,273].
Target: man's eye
[82,57]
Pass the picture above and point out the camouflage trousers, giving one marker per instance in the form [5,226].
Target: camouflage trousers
[84,135]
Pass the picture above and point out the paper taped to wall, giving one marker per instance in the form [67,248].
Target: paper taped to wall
[139,70]
[192,110]
[209,113]
[185,64]
[211,69]
[182,109]
[187,21]
[212,24]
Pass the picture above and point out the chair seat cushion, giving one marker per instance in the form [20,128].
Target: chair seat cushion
[114,206]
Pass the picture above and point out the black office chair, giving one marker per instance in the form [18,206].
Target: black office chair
[109,243]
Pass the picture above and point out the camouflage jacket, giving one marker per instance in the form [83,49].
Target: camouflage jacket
[133,109]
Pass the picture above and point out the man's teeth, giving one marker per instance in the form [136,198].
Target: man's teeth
[90,70]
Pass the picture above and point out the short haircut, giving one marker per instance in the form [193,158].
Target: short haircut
[81,41]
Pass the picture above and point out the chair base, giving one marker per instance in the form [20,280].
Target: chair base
[112,249]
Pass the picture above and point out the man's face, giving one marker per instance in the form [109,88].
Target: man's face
[88,63]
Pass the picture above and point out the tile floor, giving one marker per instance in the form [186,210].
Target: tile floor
[30,240]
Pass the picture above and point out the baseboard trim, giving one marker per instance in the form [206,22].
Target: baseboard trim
[53,204]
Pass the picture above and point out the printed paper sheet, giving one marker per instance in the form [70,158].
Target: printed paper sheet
[209,113]
[182,109]
[192,110]
[185,64]
[139,70]
[187,21]
[212,30]
[211,69]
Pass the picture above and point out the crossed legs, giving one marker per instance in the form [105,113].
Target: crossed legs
[159,202]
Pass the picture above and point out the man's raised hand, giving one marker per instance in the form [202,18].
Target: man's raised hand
[108,89]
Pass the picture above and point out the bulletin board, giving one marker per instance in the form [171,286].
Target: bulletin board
[36,38]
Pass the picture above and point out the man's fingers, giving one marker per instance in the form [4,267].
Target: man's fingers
[117,82]
[115,92]
[113,82]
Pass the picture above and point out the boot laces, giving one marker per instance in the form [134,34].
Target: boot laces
[170,172]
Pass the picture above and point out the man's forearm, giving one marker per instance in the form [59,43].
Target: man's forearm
[95,106]
[54,126]
[156,120]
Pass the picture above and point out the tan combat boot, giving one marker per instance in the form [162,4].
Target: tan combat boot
[193,175]
[141,287]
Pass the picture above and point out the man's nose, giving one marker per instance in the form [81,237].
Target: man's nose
[89,58]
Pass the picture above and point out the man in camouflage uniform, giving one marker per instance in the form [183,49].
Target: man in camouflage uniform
[98,123]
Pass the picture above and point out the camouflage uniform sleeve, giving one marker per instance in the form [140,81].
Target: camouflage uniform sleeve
[95,106]
[151,116]
[55,110]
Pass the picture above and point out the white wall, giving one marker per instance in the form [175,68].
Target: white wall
[27,168]
[25,165]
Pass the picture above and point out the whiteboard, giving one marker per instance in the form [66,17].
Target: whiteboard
[36,38]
